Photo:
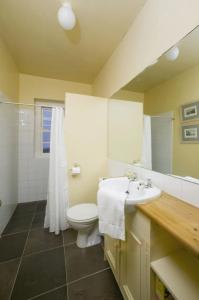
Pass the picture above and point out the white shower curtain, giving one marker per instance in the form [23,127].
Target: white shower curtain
[146,157]
[57,198]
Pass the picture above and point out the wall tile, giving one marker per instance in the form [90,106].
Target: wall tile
[32,171]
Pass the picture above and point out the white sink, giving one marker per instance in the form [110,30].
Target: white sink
[134,194]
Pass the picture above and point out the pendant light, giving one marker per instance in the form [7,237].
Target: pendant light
[66,16]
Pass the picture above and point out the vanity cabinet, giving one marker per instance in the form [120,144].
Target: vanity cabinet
[112,252]
[161,241]
[129,259]
[130,266]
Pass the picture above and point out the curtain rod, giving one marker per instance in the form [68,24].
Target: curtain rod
[26,104]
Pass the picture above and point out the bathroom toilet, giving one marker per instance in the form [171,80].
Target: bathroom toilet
[84,219]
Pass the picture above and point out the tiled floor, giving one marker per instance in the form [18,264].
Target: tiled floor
[35,264]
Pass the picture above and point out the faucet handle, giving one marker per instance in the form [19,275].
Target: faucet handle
[131,175]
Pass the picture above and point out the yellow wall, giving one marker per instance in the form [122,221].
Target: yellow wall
[125,120]
[86,138]
[9,76]
[168,96]
[158,26]
[46,88]
[128,95]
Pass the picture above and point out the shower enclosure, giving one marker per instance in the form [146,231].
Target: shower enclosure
[23,173]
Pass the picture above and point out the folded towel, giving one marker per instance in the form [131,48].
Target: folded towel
[111,214]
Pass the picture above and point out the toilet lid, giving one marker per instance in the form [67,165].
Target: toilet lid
[83,212]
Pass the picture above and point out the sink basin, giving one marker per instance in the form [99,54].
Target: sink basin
[134,194]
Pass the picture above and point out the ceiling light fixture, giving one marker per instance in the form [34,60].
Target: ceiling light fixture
[172,54]
[66,16]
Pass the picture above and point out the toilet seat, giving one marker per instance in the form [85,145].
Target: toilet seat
[83,212]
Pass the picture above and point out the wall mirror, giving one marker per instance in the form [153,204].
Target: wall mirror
[169,91]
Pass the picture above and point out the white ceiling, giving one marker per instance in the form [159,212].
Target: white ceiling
[41,47]
[164,69]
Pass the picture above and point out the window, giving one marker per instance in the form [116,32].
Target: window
[43,117]
[46,113]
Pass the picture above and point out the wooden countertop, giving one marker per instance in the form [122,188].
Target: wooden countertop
[180,219]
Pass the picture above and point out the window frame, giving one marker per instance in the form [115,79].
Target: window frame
[38,128]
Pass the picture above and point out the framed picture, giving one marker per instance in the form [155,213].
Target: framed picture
[190,133]
[190,111]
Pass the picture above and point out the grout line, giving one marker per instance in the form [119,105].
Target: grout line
[10,234]
[9,260]
[21,258]
[38,252]
[41,251]
[65,263]
[87,276]
[70,244]
[47,292]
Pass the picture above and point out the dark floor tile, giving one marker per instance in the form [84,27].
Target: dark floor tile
[25,209]
[58,294]
[12,246]
[81,262]
[40,273]
[41,239]
[41,206]
[8,272]
[70,236]
[38,220]
[100,286]
[18,224]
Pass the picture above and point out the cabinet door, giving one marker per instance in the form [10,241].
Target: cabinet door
[112,254]
[130,267]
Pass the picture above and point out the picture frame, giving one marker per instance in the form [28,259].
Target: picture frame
[190,112]
[190,133]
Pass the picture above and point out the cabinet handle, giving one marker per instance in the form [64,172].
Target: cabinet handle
[135,238]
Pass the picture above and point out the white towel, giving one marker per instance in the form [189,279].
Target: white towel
[111,213]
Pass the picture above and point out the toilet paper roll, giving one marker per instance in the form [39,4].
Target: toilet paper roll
[76,170]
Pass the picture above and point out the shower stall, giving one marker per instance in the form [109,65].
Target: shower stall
[23,172]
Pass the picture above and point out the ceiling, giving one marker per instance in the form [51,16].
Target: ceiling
[41,47]
[164,69]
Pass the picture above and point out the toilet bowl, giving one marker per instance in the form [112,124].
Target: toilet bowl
[84,219]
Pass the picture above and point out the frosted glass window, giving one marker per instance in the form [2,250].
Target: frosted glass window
[43,117]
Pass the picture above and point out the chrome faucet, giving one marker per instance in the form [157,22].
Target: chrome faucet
[148,183]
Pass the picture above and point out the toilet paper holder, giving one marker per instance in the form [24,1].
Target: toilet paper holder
[75,170]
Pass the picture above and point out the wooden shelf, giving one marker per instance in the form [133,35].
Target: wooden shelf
[180,274]
[180,219]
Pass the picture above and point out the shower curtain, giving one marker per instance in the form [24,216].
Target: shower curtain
[146,157]
[57,198]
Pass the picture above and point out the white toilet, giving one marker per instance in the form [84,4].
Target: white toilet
[84,219]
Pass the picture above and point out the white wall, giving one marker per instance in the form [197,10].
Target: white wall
[176,187]
[8,161]
[32,171]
